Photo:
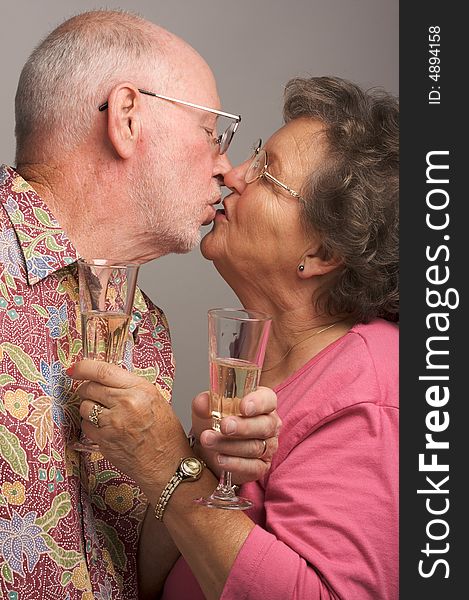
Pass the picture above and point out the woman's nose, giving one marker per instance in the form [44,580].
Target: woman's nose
[234,179]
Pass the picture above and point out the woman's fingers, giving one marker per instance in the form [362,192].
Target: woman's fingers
[94,413]
[104,373]
[107,396]
[115,401]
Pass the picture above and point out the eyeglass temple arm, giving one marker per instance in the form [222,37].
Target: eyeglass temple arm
[282,185]
[237,118]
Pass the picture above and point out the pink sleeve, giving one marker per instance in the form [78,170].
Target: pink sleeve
[268,568]
[331,514]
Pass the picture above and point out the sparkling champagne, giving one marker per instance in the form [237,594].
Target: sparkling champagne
[104,335]
[230,380]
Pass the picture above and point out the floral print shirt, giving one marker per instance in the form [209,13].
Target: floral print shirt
[69,521]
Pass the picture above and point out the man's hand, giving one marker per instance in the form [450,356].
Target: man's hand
[247,443]
[139,432]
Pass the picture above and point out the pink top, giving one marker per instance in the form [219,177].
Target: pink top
[327,512]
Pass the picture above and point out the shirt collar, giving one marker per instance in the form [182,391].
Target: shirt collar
[45,246]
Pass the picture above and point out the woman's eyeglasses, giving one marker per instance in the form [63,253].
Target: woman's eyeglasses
[258,169]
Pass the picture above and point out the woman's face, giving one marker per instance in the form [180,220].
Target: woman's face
[260,235]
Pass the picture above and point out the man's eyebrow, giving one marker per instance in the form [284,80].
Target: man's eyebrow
[209,119]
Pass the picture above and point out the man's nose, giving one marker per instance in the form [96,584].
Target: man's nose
[222,166]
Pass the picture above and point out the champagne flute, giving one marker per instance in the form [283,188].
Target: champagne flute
[237,339]
[106,295]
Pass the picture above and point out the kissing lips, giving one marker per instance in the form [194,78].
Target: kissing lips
[209,219]
[213,211]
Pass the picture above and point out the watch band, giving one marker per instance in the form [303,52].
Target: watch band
[172,484]
[166,495]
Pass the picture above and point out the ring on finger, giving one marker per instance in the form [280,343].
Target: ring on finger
[94,415]
[264,449]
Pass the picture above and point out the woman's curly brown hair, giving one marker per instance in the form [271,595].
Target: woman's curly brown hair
[353,201]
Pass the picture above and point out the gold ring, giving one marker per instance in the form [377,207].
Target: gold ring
[265,448]
[94,415]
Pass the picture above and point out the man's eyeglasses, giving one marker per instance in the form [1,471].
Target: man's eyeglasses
[223,140]
[258,169]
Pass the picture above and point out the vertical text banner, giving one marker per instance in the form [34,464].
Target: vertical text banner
[434,448]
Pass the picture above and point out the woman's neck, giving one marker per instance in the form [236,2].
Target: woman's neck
[291,346]
[298,332]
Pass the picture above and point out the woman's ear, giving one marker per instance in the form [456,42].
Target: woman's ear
[313,265]
[124,119]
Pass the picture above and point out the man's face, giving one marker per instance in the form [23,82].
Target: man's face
[181,174]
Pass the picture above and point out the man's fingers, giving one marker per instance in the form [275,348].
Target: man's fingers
[261,427]
[262,401]
[201,406]
[247,443]
[103,373]
[253,448]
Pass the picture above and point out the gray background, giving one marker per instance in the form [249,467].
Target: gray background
[253,47]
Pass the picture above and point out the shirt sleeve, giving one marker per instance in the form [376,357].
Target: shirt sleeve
[331,515]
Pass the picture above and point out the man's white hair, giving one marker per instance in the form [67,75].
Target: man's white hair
[71,72]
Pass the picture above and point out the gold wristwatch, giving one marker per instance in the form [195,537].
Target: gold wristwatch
[189,469]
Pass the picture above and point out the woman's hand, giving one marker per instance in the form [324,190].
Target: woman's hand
[137,429]
[247,443]
[139,432]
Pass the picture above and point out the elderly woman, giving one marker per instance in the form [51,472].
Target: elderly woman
[309,235]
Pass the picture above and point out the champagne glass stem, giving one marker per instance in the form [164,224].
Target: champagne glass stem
[225,487]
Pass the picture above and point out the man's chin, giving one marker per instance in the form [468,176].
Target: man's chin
[187,244]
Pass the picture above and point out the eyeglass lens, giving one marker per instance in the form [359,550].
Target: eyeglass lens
[227,136]
[256,168]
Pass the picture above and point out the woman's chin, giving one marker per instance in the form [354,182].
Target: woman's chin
[208,246]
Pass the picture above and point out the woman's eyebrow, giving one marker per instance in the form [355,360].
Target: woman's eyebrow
[274,161]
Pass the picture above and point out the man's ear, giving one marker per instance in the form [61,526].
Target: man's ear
[313,265]
[124,119]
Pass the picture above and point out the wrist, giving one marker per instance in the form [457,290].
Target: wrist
[163,467]
[189,470]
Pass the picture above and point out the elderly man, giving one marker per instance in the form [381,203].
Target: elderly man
[117,157]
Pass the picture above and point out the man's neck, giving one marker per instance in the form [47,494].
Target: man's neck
[89,211]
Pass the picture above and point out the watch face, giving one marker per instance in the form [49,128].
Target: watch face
[191,467]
